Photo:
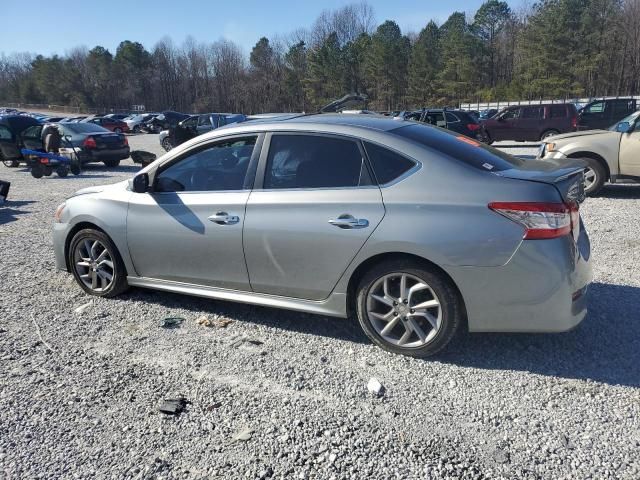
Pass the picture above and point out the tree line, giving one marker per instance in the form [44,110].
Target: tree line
[550,49]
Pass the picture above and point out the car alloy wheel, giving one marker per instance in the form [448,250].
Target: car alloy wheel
[166,144]
[590,178]
[407,308]
[117,130]
[404,310]
[94,265]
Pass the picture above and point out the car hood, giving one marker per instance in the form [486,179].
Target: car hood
[584,133]
[101,188]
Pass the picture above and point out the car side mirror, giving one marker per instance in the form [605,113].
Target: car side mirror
[623,127]
[141,183]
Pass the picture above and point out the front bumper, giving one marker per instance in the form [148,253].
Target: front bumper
[541,289]
[60,233]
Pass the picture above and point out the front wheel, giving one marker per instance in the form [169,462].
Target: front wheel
[117,130]
[548,133]
[407,309]
[594,177]
[96,264]
[11,163]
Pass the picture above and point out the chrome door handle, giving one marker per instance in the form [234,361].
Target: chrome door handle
[349,221]
[223,218]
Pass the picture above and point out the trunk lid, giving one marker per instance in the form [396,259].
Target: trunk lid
[566,175]
[109,141]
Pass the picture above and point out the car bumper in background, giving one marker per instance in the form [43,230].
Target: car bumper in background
[542,288]
[88,156]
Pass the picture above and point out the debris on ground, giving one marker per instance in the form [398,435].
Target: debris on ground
[500,456]
[242,435]
[218,322]
[172,322]
[173,406]
[374,386]
[82,308]
[213,406]
[238,342]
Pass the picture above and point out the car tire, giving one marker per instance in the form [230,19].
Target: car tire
[166,144]
[37,170]
[11,163]
[97,273]
[111,163]
[136,129]
[48,171]
[62,171]
[415,332]
[548,133]
[486,138]
[595,176]
[117,130]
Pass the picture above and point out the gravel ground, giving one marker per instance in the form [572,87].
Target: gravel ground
[79,392]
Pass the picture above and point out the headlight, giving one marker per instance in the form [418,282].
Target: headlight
[59,210]
[550,147]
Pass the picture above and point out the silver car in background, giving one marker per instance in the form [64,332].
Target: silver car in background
[418,231]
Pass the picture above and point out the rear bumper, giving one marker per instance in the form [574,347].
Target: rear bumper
[88,156]
[543,288]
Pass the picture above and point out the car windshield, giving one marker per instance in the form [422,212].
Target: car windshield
[460,147]
[631,119]
[83,128]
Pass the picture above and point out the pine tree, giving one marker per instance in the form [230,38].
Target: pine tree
[424,65]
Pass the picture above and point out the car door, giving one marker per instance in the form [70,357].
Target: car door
[530,123]
[630,152]
[189,228]
[505,126]
[32,137]
[309,214]
[8,148]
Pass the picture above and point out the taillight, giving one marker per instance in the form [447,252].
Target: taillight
[540,220]
[473,127]
[126,142]
[89,142]
[574,122]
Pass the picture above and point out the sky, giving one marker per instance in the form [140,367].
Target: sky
[49,27]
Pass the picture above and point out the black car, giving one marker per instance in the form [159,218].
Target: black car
[601,114]
[89,142]
[164,121]
[12,128]
[458,121]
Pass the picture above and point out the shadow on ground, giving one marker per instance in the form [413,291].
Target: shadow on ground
[621,191]
[10,210]
[604,348]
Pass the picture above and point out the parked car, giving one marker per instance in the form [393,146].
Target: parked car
[196,125]
[611,155]
[135,122]
[117,116]
[417,230]
[90,142]
[530,123]
[604,113]
[458,121]
[164,121]
[117,126]
[12,128]
[75,119]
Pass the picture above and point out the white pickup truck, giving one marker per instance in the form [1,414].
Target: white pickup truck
[611,155]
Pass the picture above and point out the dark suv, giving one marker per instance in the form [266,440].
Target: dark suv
[530,122]
[601,114]
[458,121]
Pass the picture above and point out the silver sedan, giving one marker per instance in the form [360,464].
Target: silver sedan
[417,231]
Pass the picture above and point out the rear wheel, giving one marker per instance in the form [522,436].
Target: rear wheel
[167,144]
[408,309]
[37,170]
[594,176]
[96,264]
[117,130]
[62,171]
[111,163]
[548,133]
[485,137]
[136,129]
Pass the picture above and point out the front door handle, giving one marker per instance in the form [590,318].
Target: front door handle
[223,218]
[347,221]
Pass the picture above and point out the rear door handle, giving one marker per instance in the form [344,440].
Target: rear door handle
[223,218]
[347,221]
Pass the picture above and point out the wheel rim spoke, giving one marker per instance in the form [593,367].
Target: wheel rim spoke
[404,310]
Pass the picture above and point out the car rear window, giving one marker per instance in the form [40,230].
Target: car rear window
[459,147]
[387,165]
[84,128]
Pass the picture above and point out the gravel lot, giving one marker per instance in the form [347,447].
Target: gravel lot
[79,392]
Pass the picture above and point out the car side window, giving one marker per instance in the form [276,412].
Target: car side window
[597,107]
[204,120]
[557,111]
[532,112]
[451,118]
[511,113]
[387,164]
[218,167]
[5,133]
[32,132]
[314,161]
